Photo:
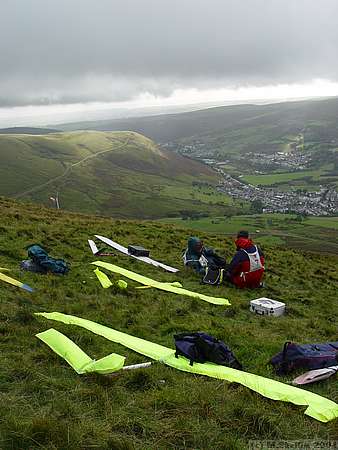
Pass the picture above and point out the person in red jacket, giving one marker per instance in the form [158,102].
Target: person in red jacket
[247,266]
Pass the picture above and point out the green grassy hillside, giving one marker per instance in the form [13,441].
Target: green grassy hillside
[234,133]
[282,178]
[45,404]
[122,174]
[240,127]
[312,233]
[325,175]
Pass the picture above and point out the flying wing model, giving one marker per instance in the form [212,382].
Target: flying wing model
[124,250]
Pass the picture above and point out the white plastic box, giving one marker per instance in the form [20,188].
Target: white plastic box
[267,307]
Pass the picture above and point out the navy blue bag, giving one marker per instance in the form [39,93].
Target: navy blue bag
[200,347]
[47,264]
[307,356]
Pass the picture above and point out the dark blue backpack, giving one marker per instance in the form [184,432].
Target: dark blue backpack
[47,264]
[307,356]
[200,347]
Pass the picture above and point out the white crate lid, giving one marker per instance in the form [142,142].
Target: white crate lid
[267,302]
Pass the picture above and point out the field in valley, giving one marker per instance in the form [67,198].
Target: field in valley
[312,233]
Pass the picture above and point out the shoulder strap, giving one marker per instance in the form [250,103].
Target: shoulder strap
[284,361]
[256,250]
[221,276]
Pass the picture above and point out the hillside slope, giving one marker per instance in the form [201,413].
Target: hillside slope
[317,234]
[239,135]
[45,404]
[268,121]
[122,174]
[27,130]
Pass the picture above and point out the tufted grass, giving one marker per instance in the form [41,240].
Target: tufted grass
[44,404]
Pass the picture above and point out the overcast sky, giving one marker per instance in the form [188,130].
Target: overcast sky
[106,51]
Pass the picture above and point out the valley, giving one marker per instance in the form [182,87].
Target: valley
[314,234]
[122,174]
[283,155]
[207,165]
[168,225]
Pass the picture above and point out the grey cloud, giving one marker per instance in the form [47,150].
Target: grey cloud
[63,51]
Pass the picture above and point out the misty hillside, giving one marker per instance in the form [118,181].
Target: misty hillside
[122,174]
[27,130]
[317,118]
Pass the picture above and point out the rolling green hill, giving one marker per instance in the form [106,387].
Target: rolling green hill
[122,174]
[235,134]
[239,127]
[318,234]
[45,404]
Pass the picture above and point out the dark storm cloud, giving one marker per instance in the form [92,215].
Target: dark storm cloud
[64,51]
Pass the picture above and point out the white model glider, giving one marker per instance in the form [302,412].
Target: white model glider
[124,250]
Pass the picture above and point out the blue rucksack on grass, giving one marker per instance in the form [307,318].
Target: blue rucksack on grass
[201,348]
[40,257]
[307,356]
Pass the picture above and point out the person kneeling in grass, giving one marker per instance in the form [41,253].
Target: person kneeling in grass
[246,269]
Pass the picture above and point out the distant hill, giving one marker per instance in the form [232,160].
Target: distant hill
[233,134]
[246,126]
[27,130]
[122,174]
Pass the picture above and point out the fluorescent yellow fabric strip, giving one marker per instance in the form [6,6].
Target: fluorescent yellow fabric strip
[76,357]
[14,282]
[103,279]
[169,287]
[318,407]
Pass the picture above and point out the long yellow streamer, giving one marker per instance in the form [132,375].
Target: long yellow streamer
[318,407]
[169,287]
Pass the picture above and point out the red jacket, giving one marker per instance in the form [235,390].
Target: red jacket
[247,266]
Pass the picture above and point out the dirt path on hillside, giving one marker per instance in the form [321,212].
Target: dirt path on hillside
[67,171]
